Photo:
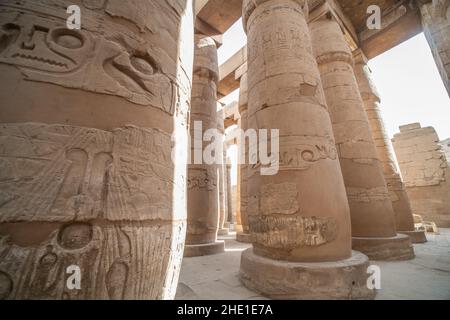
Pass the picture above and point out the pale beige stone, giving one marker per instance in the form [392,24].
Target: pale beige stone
[86,175]
[243,234]
[425,171]
[203,180]
[436,26]
[222,179]
[397,192]
[372,215]
[301,214]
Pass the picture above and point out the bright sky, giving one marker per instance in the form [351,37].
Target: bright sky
[406,76]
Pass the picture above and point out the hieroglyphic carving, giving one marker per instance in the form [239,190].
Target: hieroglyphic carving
[99,192]
[68,169]
[200,178]
[110,262]
[278,199]
[367,195]
[290,232]
[105,60]
[301,152]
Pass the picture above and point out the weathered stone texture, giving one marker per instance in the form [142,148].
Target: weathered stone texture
[285,93]
[244,234]
[372,215]
[425,172]
[371,98]
[203,180]
[370,206]
[445,145]
[299,218]
[86,175]
[436,24]
[222,178]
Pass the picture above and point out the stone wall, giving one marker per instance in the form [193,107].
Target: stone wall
[425,171]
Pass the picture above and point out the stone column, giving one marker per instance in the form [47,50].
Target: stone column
[299,218]
[203,215]
[223,214]
[436,27]
[373,224]
[243,235]
[399,198]
[87,178]
[230,206]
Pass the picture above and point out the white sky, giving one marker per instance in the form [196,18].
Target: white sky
[407,79]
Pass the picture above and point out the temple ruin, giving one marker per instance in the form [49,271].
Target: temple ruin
[103,151]
[426,172]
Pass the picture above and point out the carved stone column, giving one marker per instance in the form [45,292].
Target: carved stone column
[222,179]
[399,197]
[86,176]
[203,215]
[373,224]
[243,235]
[230,206]
[436,27]
[299,218]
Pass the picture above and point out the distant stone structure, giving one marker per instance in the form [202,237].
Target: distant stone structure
[445,145]
[425,171]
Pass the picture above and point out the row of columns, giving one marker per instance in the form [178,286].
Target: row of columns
[92,178]
[305,81]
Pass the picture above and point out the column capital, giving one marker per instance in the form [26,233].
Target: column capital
[363,74]
[206,61]
[243,94]
[331,45]
[359,57]
[250,5]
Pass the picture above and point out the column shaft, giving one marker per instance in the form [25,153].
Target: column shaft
[436,27]
[203,214]
[243,235]
[87,177]
[370,206]
[299,215]
[222,178]
[399,198]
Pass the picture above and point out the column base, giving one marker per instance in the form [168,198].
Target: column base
[415,236]
[388,249]
[345,279]
[223,232]
[198,250]
[243,237]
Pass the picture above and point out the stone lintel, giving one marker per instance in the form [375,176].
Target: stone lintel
[331,8]
[399,23]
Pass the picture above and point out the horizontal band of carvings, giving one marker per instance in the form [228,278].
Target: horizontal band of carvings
[98,62]
[62,173]
[116,261]
[202,178]
[208,73]
[249,7]
[367,195]
[301,152]
[290,232]
[394,182]
[335,56]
